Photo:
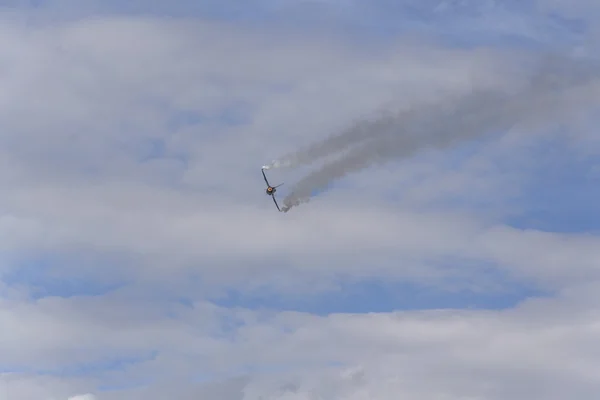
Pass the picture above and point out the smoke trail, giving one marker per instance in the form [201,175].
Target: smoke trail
[553,94]
[360,131]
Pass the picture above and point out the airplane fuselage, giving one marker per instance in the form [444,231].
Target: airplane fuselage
[271,191]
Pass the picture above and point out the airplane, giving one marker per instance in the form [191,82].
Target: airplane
[271,190]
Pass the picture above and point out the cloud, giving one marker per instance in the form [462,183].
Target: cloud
[540,348]
[98,111]
[130,149]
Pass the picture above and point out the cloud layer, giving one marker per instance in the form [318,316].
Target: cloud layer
[137,239]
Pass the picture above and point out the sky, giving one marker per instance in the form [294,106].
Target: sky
[141,258]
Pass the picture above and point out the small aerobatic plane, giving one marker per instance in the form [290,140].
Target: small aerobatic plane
[271,189]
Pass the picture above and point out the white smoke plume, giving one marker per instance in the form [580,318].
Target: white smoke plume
[555,92]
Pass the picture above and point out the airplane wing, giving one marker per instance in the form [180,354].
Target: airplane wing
[264,176]
[277,205]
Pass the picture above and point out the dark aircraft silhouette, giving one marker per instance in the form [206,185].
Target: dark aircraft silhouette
[271,189]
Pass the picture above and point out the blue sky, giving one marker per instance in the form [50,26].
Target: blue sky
[142,256]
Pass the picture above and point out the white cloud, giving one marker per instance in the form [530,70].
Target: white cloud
[100,89]
[81,103]
[543,348]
